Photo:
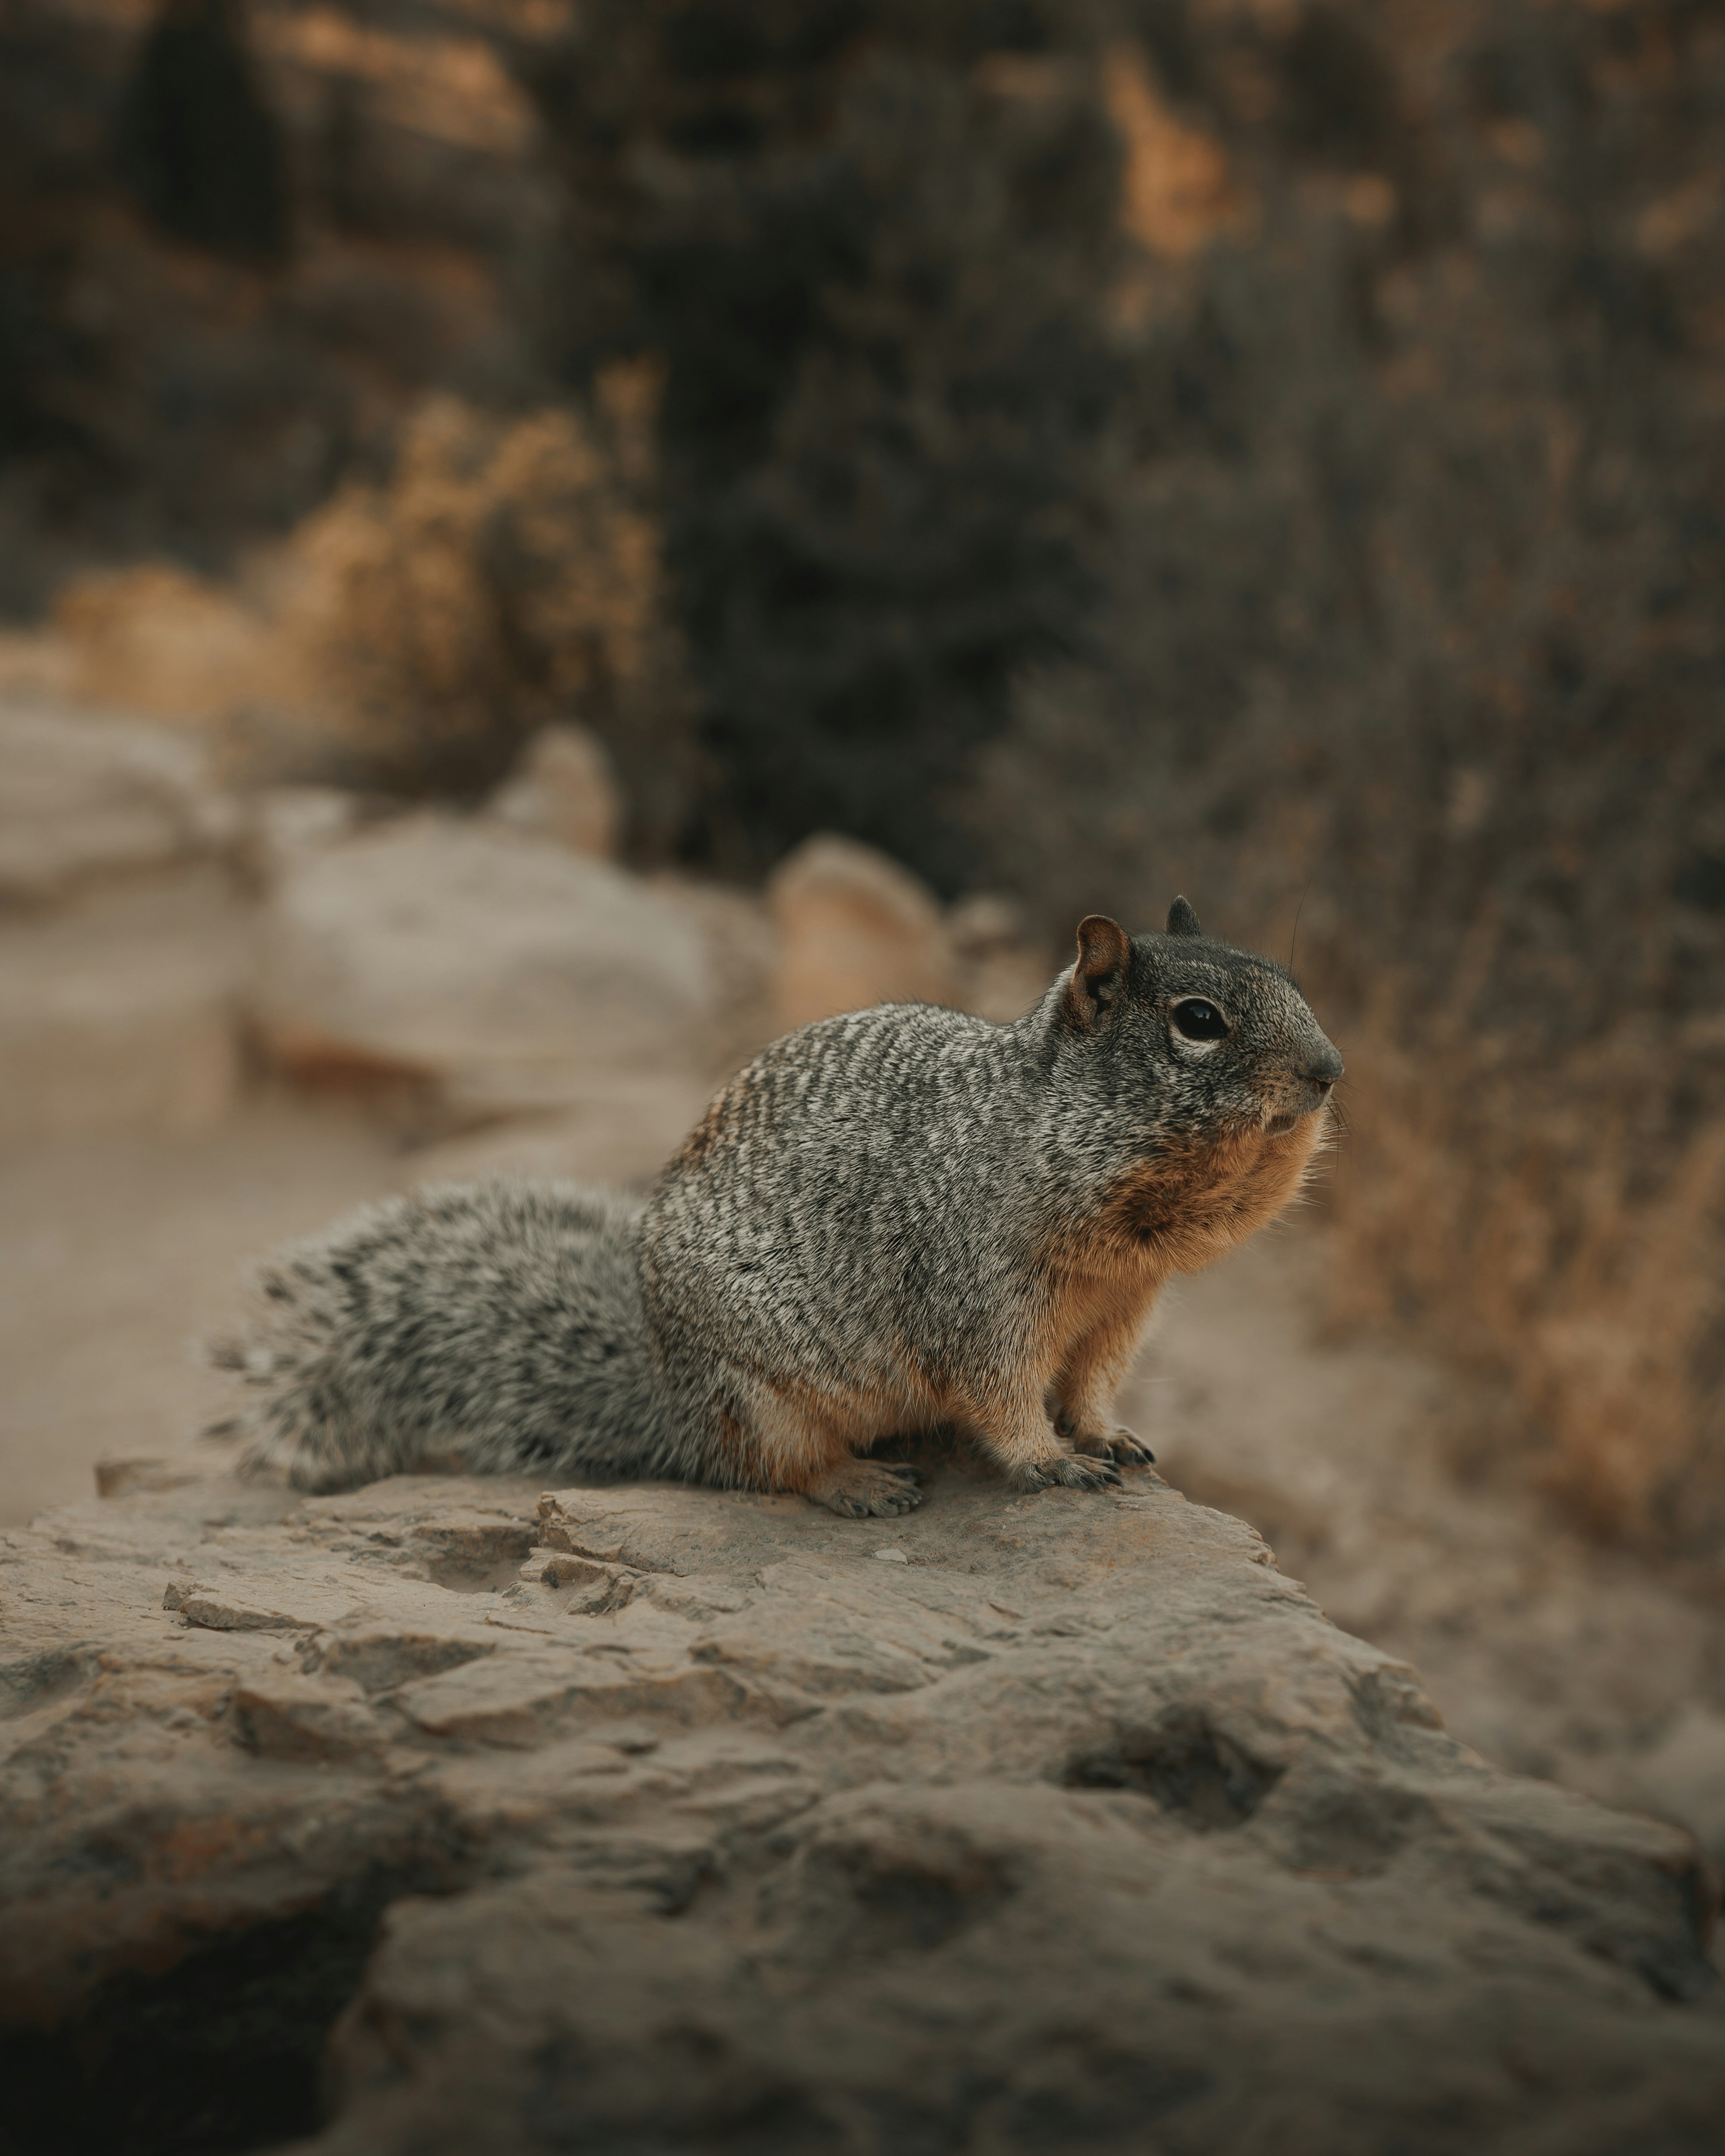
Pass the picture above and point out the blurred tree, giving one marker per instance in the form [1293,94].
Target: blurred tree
[39,204]
[869,241]
[198,143]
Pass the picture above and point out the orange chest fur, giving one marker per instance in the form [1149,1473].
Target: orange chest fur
[1177,1213]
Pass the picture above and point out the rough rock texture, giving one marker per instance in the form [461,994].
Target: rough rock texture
[701,1822]
[856,929]
[504,969]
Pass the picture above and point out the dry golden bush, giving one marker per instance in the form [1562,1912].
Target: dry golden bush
[1530,1175]
[414,632]
[1520,949]
[156,638]
[506,574]
[1513,1210]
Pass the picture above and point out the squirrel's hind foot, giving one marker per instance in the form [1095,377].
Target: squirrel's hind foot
[867,1489]
[1068,1471]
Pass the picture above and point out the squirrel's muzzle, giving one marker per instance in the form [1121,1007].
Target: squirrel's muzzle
[1302,1091]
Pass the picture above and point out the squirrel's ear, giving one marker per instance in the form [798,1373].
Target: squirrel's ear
[1098,980]
[1182,920]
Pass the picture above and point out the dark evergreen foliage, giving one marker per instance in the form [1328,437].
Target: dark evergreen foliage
[198,144]
[870,242]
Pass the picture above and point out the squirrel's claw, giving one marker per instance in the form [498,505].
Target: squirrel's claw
[1070,1470]
[1120,1444]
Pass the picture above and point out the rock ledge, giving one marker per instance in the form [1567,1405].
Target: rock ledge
[671,1820]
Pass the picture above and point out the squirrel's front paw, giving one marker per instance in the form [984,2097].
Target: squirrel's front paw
[1069,1471]
[1128,1448]
[866,1488]
[1119,1444]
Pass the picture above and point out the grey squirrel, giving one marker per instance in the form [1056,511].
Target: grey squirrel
[899,1220]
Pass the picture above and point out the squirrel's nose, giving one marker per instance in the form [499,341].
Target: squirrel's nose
[1323,1070]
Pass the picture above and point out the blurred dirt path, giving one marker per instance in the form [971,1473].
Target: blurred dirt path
[1549,1657]
[117,1254]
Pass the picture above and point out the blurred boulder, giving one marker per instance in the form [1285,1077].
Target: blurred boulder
[856,929]
[1002,971]
[91,797]
[500,973]
[743,946]
[563,789]
[122,1013]
[287,824]
[1684,1776]
[122,948]
[621,1130]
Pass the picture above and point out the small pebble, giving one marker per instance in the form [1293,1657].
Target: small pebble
[893,1556]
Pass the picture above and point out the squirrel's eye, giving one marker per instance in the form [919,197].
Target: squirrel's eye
[1199,1020]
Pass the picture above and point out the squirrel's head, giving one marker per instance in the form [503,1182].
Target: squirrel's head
[1222,1038]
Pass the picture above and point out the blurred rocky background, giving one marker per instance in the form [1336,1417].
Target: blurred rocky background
[543,541]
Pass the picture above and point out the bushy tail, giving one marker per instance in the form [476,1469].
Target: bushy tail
[499,1324]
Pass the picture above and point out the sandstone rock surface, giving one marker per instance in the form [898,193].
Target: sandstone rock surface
[620,1131]
[563,789]
[855,928]
[659,1818]
[1551,1655]
[503,970]
[121,1012]
[121,952]
[89,796]
[286,825]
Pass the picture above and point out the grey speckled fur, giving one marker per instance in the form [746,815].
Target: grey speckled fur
[503,1319]
[871,1231]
